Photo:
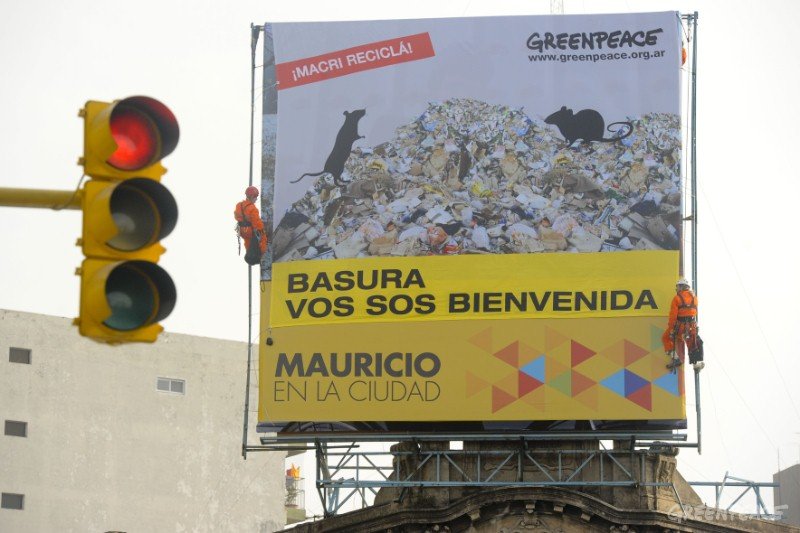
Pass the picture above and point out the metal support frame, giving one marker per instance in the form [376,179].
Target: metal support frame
[692,20]
[640,438]
[342,475]
[347,470]
[345,475]
[747,485]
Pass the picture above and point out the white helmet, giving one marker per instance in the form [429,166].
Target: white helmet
[683,281]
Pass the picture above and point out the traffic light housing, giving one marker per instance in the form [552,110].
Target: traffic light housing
[126,213]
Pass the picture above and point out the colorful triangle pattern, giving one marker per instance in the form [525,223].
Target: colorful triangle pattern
[475,384]
[630,386]
[483,340]
[633,382]
[580,353]
[562,383]
[509,354]
[556,367]
[580,383]
[589,397]
[535,368]
[553,369]
[633,352]
[668,382]
[615,353]
[527,384]
[643,397]
[615,382]
[500,399]
[655,338]
[553,339]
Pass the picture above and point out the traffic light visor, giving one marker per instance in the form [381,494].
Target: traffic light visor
[138,294]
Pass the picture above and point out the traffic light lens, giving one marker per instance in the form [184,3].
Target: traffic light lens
[136,136]
[136,217]
[132,298]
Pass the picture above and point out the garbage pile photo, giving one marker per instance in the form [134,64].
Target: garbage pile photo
[469,177]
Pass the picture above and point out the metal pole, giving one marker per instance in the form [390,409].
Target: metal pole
[694,150]
[694,215]
[697,409]
[40,198]
[329,494]
[254,31]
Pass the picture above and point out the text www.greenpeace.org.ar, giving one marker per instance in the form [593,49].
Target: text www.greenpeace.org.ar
[594,58]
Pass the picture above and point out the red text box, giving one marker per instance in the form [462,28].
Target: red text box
[356,59]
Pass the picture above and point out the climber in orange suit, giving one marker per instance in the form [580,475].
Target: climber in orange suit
[249,219]
[682,325]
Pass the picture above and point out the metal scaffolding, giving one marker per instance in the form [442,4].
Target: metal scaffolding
[347,474]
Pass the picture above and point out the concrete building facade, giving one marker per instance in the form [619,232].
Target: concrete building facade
[128,438]
[787,496]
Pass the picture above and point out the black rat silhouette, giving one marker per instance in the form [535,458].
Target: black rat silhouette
[586,124]
[348,134]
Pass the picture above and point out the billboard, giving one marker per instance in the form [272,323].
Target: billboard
[475,223]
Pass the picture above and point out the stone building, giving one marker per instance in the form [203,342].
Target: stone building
[659,500]
[138,437]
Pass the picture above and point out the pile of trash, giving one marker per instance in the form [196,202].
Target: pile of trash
[468,177]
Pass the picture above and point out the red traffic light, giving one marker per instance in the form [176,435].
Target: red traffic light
[128,138]
[136,137]
[145,131]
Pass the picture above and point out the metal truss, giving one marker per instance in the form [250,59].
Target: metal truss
[747,485]
[300,441]
[343,475]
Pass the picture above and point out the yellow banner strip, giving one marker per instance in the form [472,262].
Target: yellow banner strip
[470,287]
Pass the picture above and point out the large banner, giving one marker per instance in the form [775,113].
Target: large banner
[432,180]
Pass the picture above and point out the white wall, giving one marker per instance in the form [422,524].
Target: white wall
[106,451]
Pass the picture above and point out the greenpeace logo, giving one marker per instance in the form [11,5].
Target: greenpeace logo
[358,364]
[598,40]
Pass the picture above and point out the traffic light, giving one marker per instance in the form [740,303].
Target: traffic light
[126,212]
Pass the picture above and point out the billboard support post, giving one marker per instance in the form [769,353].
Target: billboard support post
[254,32]
[692,20]
[693,126]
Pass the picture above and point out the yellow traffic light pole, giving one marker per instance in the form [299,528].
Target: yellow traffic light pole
[40,198]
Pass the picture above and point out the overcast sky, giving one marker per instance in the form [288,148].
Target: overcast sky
[195,57]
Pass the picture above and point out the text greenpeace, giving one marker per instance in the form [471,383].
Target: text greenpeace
[598,40]
[594,58]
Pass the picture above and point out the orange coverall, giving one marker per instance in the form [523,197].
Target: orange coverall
[248,217]
[682,323]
